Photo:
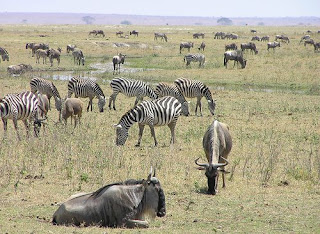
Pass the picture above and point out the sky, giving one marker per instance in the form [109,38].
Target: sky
[205,8]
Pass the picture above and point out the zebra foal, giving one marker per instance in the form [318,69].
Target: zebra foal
[86,88]
[117,60]
[160,112]
[4,54]
[131,88]
[195,58]
[194,88]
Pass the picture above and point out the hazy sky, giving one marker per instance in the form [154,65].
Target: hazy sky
[216,8]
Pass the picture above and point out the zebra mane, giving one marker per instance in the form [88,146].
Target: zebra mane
[99,89]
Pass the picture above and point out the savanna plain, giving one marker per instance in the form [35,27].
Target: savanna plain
[272,108]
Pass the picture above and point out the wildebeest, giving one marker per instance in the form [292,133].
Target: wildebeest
[217,144]
[220,35]
[235,55]
[231,46]
[35,46]
[4,54]
[249,46]
[123,204]
[134,32]
[316,46]
[40,53]
[265,38]
[70,48]
[197,35]
[309,42]
[202,46]
[305,37]
[253,31]
[187,45]
[119,33]
[231,36]
[97,32]
[273,45]
[117,60]
[78,57]
[255,38]
[18,69]
[54,54]
[282,38]
[163,36]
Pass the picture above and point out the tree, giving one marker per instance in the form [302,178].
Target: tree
[224,21]
[126,22]
[88,19]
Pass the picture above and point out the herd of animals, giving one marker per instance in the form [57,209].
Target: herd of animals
[125,204]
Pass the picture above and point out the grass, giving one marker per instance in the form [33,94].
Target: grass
[271,106]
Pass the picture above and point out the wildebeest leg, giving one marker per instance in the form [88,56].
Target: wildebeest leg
[136,224]
[172,125]
[141,128]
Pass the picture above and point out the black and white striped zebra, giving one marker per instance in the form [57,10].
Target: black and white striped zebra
[86,88]
[20,106]
[48,88]
[4,54]
[159,112]
[187,45]
[194,88]
[163,89]
[117,60]
[195,58]
[163,36]
[131,88]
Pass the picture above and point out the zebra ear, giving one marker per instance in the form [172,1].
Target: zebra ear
[118,126]
[189,102]
[209,101]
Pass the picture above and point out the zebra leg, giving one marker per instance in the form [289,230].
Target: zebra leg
[172,125]
[16,127]
[5,127]
[113,99]
[198,104]
[88,105]
[141,128]
[153,134]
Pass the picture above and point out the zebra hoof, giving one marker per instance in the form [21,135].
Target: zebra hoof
[137,145]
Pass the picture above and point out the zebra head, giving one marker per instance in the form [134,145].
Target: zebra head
[185,109]
[101,103]
[212,106]
[58,103]
[122,134]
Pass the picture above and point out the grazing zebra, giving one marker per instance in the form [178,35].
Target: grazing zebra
[40,53]
[249,46]
[78,57]
[195,58]
[130,88]
[197,35]
[54,54]
[273,45]
[134,32]
[86,88]
[48,88]
[195,88]
[187,45]
[231,46]
[71,48]
[4,54]
[163,89]
[235,55]
[316,46]
[163,36]
[20,106]
[265,38]
[117,60]
[160,112]
[202,46]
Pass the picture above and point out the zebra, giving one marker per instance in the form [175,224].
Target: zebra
[4,54]
[117,60]
[273,45]
[78,57]
[71,48]
[235,55]
[40,53]
[187,45]
[159,112]
[163,36]
[134,32]
[48,88]
[86,88]
[202,46]
[195,88]
[195,58]
[197,35]
[163,89]
[20,106]
[131,88]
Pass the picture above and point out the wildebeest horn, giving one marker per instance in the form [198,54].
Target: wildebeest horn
[206,165]
[221,164]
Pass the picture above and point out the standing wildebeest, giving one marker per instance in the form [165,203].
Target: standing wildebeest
[187,45]
[265,38]
[100,32]
[255,38]
[195,58]
[273,45]
[316,46]
[71,48]
[253,31]
[78,57]
[159,112]
[124,204]
[4,54]
[34,47]
[117,60]
[197,35]
[232,36]
[220,35]
[235,55]
[93,32]
[309,42]
[40,53]
[163,36]
[18,69]
[134,32]
[119,34]
[54,54]
[305,37]
[282,38]
[202,46]
[231,46]
[249,46]
[217,144]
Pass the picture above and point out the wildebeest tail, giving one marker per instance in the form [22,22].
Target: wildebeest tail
[224,61]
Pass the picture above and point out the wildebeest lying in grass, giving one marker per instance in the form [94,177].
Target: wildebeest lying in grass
[18,69]
[217,144]
[124,204]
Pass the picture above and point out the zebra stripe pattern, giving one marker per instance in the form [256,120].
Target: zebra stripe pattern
[194,88]
[195,58]
[4,54]
[160,112]
[86,88]
[131,88]
[20,106]
[48,88]
[163,89]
